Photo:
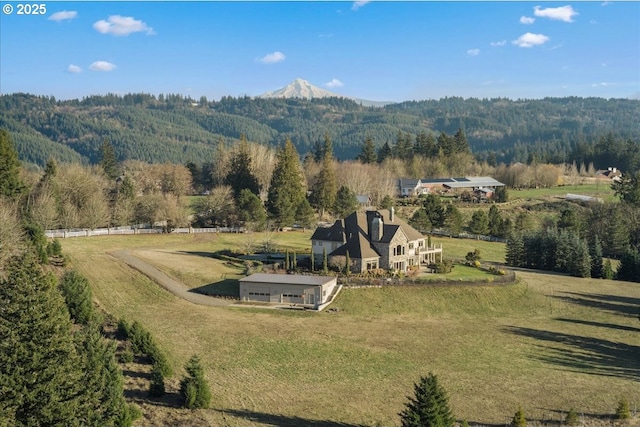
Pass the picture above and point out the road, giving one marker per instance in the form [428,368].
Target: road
[167,282]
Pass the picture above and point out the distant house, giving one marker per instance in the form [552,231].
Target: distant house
[612,174]
[409,187]
[364,201]
[374,240]
[310,291]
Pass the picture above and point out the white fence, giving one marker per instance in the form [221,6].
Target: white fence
[65,234]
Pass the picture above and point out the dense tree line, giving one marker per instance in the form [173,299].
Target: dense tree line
[177,129]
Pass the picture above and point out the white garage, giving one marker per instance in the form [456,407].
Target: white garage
[310,291]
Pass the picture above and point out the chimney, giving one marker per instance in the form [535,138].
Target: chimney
[614,170]
[376,228]
[391,214]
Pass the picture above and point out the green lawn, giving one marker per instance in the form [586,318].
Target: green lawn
[546,343]
[602,190]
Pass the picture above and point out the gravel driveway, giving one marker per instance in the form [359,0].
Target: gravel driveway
[168,282]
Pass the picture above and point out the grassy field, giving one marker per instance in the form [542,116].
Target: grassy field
[602,190]
[547,343]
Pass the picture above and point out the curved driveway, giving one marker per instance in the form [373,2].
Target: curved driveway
[168,282]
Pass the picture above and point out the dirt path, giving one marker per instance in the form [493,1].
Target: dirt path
[166,281]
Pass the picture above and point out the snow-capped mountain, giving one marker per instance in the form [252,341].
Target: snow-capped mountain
[300,88]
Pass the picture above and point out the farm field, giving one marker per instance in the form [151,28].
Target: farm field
[547,343]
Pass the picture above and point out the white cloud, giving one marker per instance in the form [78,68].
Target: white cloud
[530,40]
[606,3]
[473,52]
[498,44]
[64,15]
[358,4]
[74,69]
[602,84]
[334,83]
[102,66]
[122,26]
[527,20]
[272,58]
[562,13]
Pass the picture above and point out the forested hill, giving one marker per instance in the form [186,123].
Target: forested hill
[172,128]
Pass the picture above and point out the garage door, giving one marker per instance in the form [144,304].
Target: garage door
[259,296]
[293,298]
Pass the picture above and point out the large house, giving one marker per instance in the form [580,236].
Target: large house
[374,240]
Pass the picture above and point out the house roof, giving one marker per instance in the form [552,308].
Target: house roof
[287,279]
[335,233]
[412,183]
[474,181]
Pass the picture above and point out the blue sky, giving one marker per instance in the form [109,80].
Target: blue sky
[383,51]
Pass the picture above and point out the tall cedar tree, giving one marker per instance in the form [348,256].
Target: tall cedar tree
[495,222]
[429,407]
[368,153]
[108,160]
[323,195]
[460,142]
[41,376]
[287,192]
[10,184]
[194,387]
[346,202]
[240,175]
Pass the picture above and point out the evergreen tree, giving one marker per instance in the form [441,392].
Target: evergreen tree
[595,252]
[323,193]
[460,142]
[623,412]
[628,188]
[157,387]
[607,270]
[40,370]
[368,153]
[616,239]
[10,184]
[250,210]
[479,223]
[77,295]
[103,384]
[629,268]
[108,160]
[429,407]
[420,221]
[495,222]
[384,152]
[572,418]
[240,175]
[387,202]
[453,220]
[515,250]
[194,387]
[500,195]
[346,202]
[446,144]
[287,190]
[519,419]
[434,209]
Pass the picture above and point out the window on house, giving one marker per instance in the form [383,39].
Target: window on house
[411,245]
